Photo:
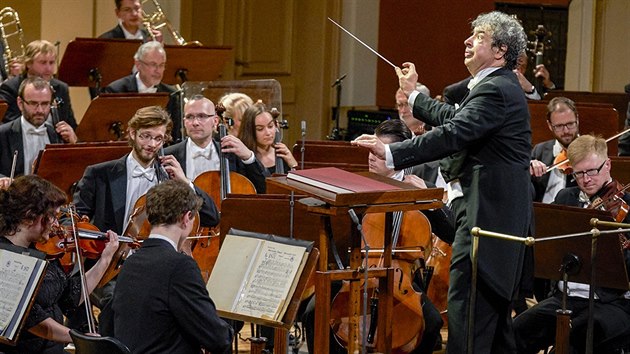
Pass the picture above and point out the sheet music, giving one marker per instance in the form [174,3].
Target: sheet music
[16,281]
[271,280]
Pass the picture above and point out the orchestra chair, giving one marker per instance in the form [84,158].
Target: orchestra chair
[85,344]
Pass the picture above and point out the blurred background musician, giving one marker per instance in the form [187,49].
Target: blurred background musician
[535,328]
[200,152]
[258,130]
[40,60]
[30,206]
[129,13]
[563,122]
[161,304]
[235,104]
[624,140]
[150,61]
[30,133]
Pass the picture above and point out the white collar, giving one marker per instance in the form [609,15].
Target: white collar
[142,88]
[480,76]
[129,35]
[162,237]
[26,125]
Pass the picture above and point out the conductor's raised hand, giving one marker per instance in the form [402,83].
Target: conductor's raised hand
[374,144]
[407,78]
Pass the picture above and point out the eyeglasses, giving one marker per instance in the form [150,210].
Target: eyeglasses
[154,66]
[569,126]
[201,117]
[131,9]
[591,173]
[34,104]
[146,137]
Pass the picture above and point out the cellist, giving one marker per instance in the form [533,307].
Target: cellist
[391,131]
[29,210]
[200,152]
[588,156]
[108,191]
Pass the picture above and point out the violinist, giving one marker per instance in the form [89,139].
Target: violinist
[535,328]
[200,153]
[30,133]
[29,210]
[563,122]
[161,304]
[258,131]
[108,191]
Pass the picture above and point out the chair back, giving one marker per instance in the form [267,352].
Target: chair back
[85,344]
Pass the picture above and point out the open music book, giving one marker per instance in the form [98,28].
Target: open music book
[256,274]
[20,276]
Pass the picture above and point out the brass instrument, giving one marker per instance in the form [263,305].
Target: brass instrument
[157,20]
[10,26]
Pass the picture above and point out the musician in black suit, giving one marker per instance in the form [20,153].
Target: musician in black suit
[488,138]
[129,13]
[535,328]
[161,304]
[40,60]
[200,152]
[563,122]
[29,134]
[150,60]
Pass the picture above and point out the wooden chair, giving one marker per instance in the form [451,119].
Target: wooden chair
[85,344]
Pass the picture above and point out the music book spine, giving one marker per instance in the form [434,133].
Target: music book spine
[339,181]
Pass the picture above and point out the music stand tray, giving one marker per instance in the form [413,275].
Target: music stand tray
[554,220]
[107,116]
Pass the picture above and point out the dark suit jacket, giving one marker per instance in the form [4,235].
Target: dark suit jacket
[161,304]
[117,33]
[544,152]
[9,92]
[454,93]
[129,84]
[10,141]
[253,172]
[102,192]
[624,140]
[427,171]
[492,127]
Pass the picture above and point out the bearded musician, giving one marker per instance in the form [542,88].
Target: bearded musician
[535,328]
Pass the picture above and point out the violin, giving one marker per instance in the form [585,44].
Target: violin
[411,235]
[610,199]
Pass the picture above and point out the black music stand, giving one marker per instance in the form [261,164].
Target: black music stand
[597,259]
[107,116]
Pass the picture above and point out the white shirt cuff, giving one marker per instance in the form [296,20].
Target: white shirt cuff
[412,99]
[250,160]
[389,159]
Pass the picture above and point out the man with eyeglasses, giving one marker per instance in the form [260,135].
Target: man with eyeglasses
[129,13]
[108,191]
[40,61]
[150,61]
[200,152]
[30,133]
[563,122]
[535,328]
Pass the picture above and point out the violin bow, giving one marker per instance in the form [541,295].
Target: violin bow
[553,167]
[85,292]
[13,164]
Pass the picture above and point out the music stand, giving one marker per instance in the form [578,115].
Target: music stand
[107,116]
[87,58]
[200,63]
[268,90]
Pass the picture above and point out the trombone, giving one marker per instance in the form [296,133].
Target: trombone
[10,26]
[157,20]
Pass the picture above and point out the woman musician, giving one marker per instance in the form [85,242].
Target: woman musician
[29,210]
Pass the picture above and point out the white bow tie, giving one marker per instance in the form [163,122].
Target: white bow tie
[148,173]
[197,152]
[37,131]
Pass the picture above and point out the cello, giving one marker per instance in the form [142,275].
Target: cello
[218,184]
[412,232]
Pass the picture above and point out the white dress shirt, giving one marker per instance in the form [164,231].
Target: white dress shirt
[139,181]
[200,160]
[34,139]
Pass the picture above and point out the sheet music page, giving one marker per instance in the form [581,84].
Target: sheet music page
[231,268]
[272,277]
[16,276]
